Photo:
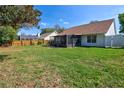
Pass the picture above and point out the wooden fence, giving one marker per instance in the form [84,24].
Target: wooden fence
[28,42]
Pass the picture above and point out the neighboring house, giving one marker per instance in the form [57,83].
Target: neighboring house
[28,37]
[48,36]
[92,34]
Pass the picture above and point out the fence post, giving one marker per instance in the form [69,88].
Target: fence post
[43,41]
[30,42]
[38,42]
[11,43]
[21,43]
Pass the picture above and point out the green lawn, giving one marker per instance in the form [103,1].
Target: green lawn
[36,66]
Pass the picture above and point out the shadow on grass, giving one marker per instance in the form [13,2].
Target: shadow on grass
[3,57]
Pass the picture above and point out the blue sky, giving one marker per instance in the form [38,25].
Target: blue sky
[69,16]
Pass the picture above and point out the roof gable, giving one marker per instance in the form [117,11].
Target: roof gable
[97,27]
[45,35]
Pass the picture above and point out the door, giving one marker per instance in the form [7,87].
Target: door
[78,41]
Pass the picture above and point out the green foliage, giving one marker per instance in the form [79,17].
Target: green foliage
[19,16]
[47,30]
[7,34]
[15,17]
[121,21]
[58,28]
[55,28]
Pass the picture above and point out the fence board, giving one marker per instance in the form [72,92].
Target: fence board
[28,42]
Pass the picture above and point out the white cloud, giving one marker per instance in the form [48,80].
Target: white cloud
[62,21]
[44,24]
[66,23]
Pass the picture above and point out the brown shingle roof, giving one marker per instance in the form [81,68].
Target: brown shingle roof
[97,27]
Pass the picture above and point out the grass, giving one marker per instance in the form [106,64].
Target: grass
[36,66]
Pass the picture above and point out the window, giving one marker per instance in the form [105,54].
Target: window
[94,39]
[91,39]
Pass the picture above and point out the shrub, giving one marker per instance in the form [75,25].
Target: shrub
[7,34]
[40,42]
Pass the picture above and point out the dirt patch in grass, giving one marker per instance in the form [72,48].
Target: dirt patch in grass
[51,79]
[10,49]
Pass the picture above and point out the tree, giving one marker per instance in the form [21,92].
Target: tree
[19,16]
[94,21]
[7,34]
[14,17]
[58,28]
[55,28]
[47,30]
[121,21]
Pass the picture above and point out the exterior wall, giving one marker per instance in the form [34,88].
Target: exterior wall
[50,36]
[111,30]
[103,40]
[100,41]
[28,37]
[114,41]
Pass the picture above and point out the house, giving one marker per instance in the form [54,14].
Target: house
[48,36]
[28,37]
[91,34]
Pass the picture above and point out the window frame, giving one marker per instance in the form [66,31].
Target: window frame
[91,38]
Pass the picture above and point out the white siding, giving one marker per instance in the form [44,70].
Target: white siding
[111,30]
[100,41]
[51,35]
[114,41]
[84,41]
